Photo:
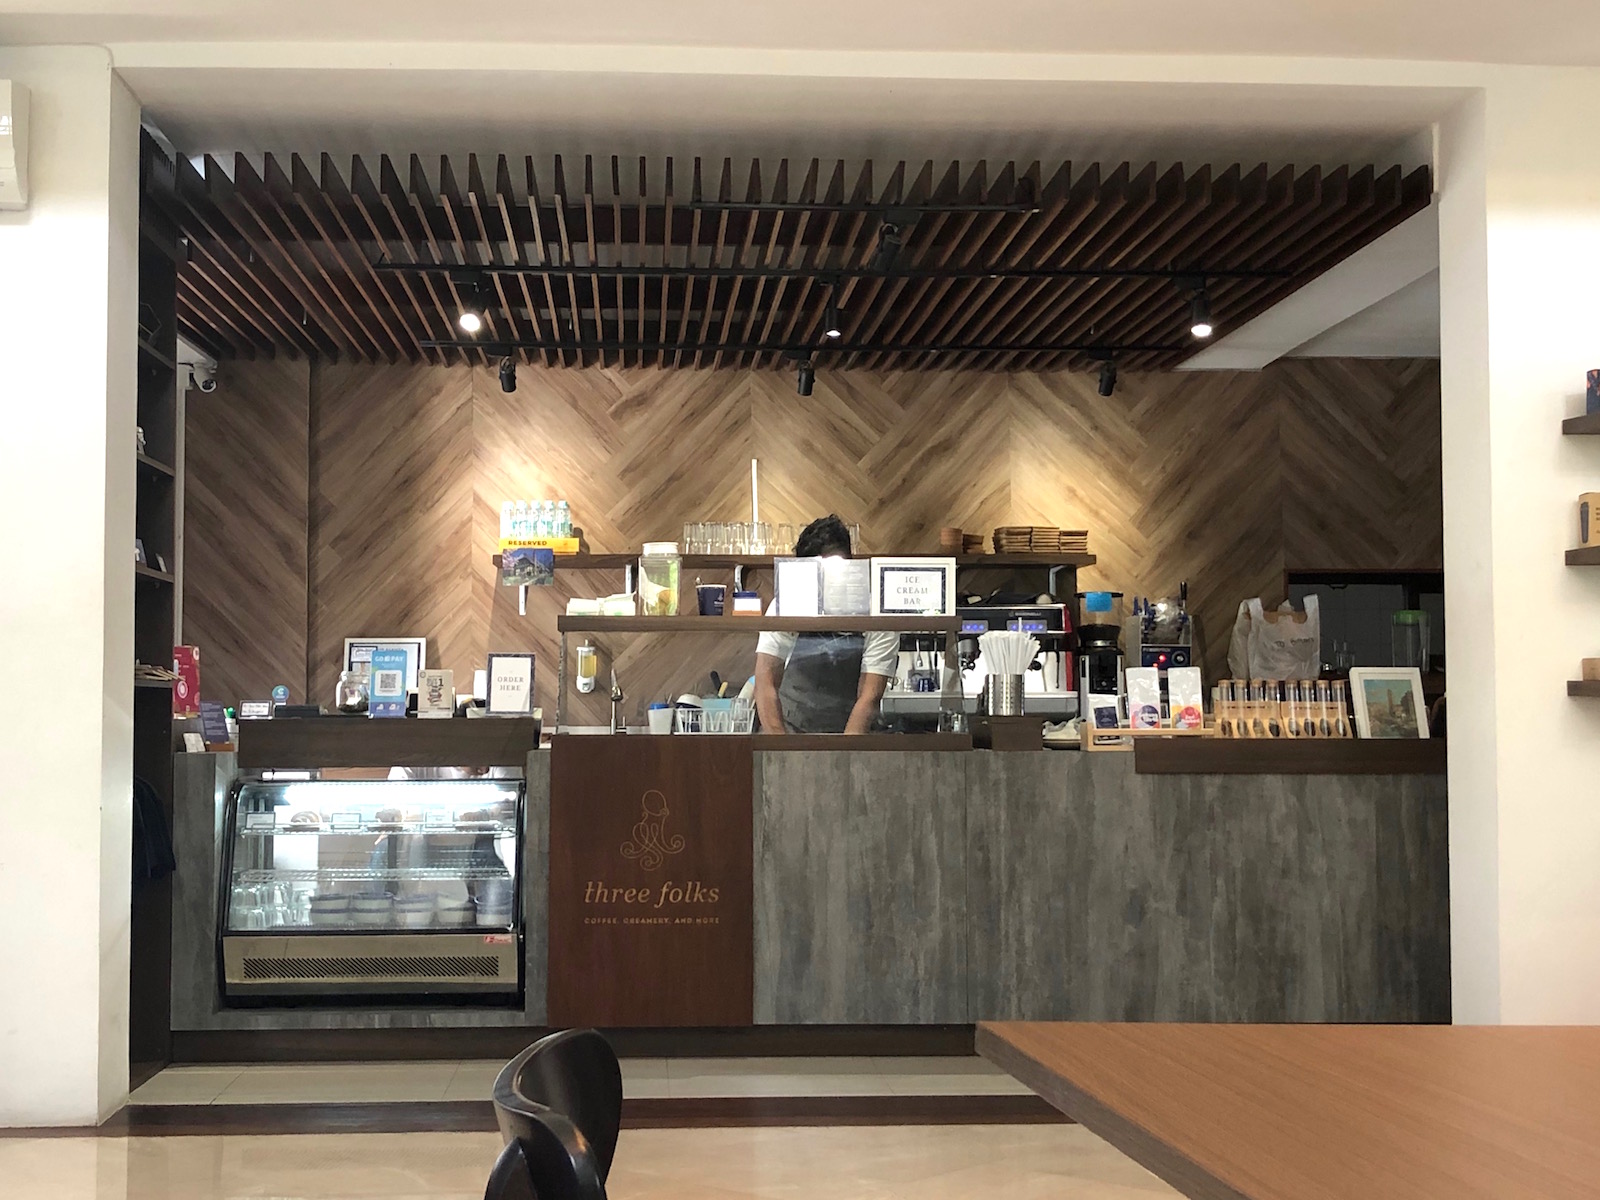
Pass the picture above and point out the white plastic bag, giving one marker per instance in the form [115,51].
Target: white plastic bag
[1280,645]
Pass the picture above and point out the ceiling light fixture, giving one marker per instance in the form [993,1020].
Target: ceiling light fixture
[1200,324]
[471,318]
[1108,377]
[508,374]
[830,323]
[888,247]
[806,379]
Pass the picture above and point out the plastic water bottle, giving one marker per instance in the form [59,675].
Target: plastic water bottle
[547,518]
[519,521]
[507,520]
[563,519]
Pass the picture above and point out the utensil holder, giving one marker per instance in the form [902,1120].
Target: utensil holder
[1005,695]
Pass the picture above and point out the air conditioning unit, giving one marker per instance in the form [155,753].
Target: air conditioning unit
[13,145]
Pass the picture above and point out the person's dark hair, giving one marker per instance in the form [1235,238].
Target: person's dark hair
[825,535]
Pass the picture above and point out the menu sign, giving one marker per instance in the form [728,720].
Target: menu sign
[651,899]
[913,587]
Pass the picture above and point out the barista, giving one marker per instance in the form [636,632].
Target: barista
[823,682]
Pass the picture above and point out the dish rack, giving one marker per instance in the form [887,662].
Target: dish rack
[737,718]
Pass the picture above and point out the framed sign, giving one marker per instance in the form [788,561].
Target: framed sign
[798,587]
[436,694]
[1388,702]
[913,587]
[510,685]
[358,654]
[386,694]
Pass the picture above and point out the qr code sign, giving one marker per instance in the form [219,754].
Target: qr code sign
[388,683]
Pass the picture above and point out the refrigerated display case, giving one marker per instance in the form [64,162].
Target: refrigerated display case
[372,888]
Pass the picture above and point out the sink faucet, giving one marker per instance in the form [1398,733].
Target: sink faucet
[619,723]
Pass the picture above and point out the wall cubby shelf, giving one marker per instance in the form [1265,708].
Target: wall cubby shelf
[1583,687]
[1585,556]
[1588,423]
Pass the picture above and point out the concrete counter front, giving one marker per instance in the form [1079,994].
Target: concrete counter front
[934,887]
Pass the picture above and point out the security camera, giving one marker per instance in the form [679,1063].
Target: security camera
[203,376]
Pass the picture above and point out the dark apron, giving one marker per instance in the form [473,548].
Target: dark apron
[821,681]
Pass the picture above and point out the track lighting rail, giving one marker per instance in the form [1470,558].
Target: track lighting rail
[760,271]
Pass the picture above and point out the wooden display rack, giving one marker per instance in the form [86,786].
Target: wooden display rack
[1121,738]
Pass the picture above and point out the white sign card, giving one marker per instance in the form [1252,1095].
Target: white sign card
[255,710]
[358,655]
[436,693]
[510,685]
[846,587]
[799,586]
[913,587]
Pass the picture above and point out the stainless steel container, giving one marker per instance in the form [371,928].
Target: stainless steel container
[1005,695]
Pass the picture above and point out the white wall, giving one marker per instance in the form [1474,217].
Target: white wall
[68,307]
[1521,325]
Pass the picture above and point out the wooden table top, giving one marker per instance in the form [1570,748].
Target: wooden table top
[1327,1112]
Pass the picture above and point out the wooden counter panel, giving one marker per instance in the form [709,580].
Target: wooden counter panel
[650,881]
[387,742]
[1234,756]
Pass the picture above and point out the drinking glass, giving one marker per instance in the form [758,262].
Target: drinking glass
[785,539]
[855,538]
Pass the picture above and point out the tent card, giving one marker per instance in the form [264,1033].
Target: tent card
[387,695]
[913,587]
[510,685]
[436,693]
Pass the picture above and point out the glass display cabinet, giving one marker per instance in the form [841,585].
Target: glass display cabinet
[372,887]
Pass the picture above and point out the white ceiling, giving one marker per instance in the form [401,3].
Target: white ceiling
[1404,325]
[1531,31]
[542,113]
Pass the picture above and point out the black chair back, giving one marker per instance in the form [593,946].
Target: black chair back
[549,1159]
[574,1073]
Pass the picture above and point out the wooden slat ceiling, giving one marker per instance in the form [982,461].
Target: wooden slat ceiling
[633,263]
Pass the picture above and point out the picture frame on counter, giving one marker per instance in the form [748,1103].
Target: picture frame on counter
[913,587]
[387,694]
[358,653]
[510,685]
[1389,703]
[436,694]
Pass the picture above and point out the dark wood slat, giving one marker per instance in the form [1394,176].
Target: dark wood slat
[393,742]
[287,259]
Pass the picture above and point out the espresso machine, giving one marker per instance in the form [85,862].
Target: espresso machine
[915,695]
[1101,695]
[1161,634]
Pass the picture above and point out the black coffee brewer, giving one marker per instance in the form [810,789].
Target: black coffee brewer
[1100,681]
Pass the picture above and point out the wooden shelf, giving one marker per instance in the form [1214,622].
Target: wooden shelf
[1583,687]
[1587,556]
[751,625]
[150,573]
[150,351]
[724,562]
[165,684]
[1588,423]
[154,466]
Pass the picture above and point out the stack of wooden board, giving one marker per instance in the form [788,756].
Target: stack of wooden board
[1040,539]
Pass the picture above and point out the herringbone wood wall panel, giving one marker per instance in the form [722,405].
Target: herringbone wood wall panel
[245,530]
[1221,479]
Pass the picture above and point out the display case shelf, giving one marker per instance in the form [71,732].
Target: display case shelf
[440,874]
[463,829]
[746,625]
[728,562]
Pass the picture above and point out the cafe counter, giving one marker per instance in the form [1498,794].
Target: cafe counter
[722,882]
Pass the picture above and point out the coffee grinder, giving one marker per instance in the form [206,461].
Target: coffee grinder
[1100,685]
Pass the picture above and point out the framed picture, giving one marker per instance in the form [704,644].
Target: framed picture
[358,655]
[913,587]
[510,685]
[1388,702]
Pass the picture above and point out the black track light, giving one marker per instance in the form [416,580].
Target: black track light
[1108,377]
[888,247]
[830,323]
[508,374]
[470,318]
[1200,313]
[806,378]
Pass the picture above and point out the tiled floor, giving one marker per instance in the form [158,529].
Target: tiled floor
[642,1078]
[881,1163]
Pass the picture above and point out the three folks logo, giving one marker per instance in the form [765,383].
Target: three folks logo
[649,843]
